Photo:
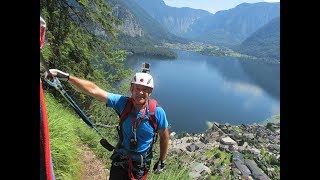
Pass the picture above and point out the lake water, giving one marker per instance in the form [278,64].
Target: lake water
[196,89]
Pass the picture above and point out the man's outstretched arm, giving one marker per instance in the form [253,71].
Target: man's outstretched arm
[85,86]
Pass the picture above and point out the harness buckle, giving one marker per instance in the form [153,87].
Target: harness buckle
[141,160]
[122,164]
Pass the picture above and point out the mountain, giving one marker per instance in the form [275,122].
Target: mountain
[153,29]
[140,33]
[149,24]
[231,27]
[176,20]
[224,28]
[264,43]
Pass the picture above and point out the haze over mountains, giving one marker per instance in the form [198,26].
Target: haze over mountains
[176,20]
[231,27]
[153,22]
[228,27]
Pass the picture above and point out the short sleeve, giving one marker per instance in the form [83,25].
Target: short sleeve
[116,101]
[161,118]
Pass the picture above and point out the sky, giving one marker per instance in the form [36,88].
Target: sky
[211,5]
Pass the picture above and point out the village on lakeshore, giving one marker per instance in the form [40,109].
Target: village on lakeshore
[241,152]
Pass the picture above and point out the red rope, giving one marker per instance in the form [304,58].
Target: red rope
[44,138]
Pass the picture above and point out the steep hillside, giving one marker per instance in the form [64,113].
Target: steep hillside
[153,29]
[140,32]
[264,43]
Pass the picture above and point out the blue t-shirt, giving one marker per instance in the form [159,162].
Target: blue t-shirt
[144,131]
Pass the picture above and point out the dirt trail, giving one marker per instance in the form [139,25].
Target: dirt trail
[94,168]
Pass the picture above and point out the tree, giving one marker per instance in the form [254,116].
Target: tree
[80,37]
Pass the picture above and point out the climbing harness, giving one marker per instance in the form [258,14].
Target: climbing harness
[139,167]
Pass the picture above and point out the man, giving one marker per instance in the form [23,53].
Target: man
[132,157]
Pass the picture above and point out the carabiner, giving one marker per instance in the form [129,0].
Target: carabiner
[55,82]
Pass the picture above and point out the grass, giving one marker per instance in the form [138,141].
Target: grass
[173,171]
[63,141]
[224,158]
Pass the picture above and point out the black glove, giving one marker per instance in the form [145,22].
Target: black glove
[57,73]
[158,166]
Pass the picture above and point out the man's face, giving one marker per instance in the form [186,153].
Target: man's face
[140,93]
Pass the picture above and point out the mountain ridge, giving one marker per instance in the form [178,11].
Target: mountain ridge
[223,28]
[264,43]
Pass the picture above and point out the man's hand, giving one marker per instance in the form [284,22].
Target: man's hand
[158,166]
[57,73]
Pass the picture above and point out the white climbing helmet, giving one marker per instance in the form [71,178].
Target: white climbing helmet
[144,79]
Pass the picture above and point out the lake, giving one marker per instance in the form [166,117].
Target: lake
[195,89]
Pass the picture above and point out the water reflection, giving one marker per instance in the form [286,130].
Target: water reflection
[266,76]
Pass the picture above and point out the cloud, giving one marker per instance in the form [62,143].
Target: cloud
[241,87]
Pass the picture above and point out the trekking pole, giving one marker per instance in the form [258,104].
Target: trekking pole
[57,85]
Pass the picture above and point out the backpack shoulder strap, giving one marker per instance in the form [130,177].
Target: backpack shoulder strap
[152,110]
[126,110]
[153,122]
[151,106]
[122,116]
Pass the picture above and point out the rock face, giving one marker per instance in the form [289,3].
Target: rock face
[130,25]
[179,25]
